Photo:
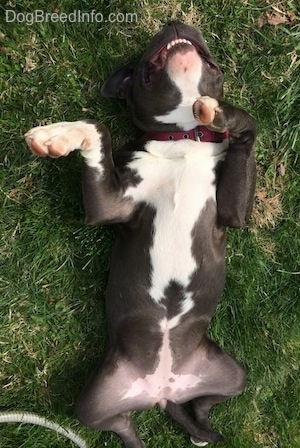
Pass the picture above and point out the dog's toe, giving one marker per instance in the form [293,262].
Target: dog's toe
[204,109]
[54,140]
[36,147]
[213,437]
[198,443]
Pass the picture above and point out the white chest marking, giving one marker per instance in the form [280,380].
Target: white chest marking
[163,384]
[182,116]
[187,83]
[178,179]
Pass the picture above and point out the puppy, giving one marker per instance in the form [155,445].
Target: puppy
[171,195]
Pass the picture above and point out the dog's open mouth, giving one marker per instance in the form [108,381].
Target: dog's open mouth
[158,61]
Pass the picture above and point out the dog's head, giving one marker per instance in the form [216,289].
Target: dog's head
[176,69]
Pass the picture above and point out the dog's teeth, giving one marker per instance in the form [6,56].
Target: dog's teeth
[178,41]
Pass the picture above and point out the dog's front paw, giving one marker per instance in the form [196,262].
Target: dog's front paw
[59,139]
[207,111]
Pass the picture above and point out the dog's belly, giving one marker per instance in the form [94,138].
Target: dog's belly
[163,384]
[177,183]
[178,179]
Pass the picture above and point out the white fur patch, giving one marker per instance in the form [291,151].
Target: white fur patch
[186,306]
[93,153]
[185,71]
[198,443]
[163,384]
[182,116]
[178,179]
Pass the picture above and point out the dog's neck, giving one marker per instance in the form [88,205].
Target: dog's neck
[198,134]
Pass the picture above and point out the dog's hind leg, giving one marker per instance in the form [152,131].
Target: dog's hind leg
[220,377]
[104,405]
[201,408]
[123,425]
[198,432]
[224,378]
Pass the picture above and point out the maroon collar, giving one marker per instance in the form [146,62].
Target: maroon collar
[198,134]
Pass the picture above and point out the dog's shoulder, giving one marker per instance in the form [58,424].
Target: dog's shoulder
[127,152]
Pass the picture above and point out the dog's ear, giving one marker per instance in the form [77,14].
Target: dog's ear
[117,84]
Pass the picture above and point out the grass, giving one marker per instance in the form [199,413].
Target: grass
[53,268]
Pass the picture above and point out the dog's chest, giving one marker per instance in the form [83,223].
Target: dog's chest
[177,180]
[175,175]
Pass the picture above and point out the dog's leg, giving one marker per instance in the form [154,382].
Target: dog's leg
[198,431]
[223,378]
[105,404]
[102,184]
[122,425]
[220,377]
[236,185]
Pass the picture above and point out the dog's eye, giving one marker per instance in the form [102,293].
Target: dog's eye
[212,64]
[146,74]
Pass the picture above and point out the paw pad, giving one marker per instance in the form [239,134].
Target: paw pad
[199,443]
[205,109]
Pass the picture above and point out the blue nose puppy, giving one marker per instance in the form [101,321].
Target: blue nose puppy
[171,195]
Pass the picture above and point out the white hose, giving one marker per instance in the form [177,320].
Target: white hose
[34,419]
